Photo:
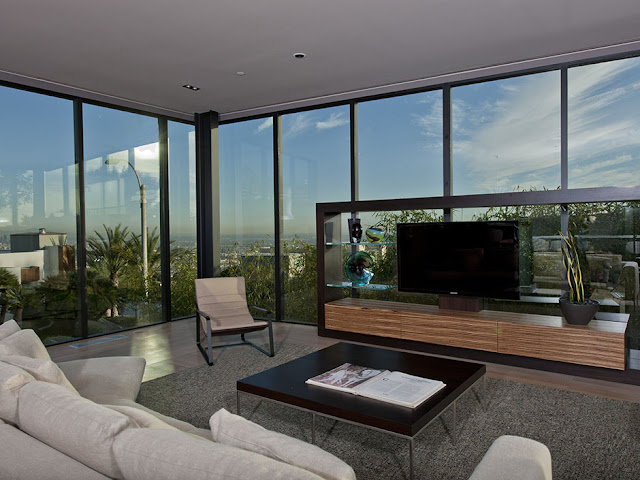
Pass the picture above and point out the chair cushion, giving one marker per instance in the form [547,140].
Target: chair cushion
[40,460]
[42,370]
[24,343]
[12,379]
[239,432]
[8,328]
[72,425]
[158,454]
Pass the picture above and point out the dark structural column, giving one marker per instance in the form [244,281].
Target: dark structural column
[447,186]
[165,244]
[277,215]
[81,228]
[208,194]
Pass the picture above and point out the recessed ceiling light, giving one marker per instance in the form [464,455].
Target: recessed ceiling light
[191,87]
[240,74]
[299,55]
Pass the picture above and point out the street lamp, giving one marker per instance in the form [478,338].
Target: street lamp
[143,216]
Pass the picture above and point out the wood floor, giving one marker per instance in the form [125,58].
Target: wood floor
[171,347]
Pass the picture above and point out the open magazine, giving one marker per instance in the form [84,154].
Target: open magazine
[393,387]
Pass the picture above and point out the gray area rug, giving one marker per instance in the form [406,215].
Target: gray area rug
[589,437]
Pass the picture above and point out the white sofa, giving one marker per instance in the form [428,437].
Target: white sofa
[79,420]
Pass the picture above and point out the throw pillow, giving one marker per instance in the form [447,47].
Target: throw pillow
[144,453]
[239,432]
[42,370]
[12,379]
[73,425]
[8,328]
[24,343]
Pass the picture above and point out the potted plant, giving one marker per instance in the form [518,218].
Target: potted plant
[576,310]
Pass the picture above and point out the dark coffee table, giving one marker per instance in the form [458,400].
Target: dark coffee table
[286,384]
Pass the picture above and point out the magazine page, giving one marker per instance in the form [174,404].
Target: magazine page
[345,377]
[400,388]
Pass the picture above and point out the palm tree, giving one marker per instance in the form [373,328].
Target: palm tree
[7,281]
[109,254]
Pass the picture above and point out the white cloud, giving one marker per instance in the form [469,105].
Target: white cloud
[334,120]
[516,136]
[268,123]
[299,123]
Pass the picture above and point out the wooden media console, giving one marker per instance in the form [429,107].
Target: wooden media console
[601,343]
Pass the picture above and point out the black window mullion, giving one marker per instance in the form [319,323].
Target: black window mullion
[81,226]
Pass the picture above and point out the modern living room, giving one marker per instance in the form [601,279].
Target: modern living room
[145,146]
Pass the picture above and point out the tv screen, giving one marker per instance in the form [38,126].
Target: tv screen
[476,259]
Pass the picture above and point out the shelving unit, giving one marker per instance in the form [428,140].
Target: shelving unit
[599,344]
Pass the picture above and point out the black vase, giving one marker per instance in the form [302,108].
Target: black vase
[355,230]
[578,313]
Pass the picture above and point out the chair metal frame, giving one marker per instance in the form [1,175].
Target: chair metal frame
[208,353]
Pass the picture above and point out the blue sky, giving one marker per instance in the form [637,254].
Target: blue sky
[506,135]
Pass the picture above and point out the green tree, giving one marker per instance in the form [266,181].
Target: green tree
[110,254]
[7,281]
[184,271]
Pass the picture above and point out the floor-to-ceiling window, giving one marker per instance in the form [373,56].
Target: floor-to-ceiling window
[122,217]
[315,168]
[182,217]
[38,282]
[506,135]
[247,208]
[400,147]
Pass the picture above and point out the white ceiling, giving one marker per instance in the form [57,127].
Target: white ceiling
[145,50]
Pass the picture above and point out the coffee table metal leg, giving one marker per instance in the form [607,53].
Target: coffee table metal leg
[313,428]
[411,458]
[238,402]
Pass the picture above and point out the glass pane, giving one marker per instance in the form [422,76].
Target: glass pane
[540,260]
[315,168]
[38,282]
[182,218]
[397,136]
[604,100]
[506,135]
[608,237]
[385,268]
[122,194]
[246,208]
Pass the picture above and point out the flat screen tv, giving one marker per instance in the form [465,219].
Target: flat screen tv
[474,259]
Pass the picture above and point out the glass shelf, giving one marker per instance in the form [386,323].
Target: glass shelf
[369,286]
[368,244]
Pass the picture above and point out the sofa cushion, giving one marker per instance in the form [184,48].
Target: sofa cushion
[8,328]
[24,343]
[40,460]
[42,370]
[239,432]
[12,379]
[141,418]
[174,422]
[512,457]
[72,425]
[159,454]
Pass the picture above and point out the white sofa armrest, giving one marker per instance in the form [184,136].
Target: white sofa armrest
[105,379]
[512,457]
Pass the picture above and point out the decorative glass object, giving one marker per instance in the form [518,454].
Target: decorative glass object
[374,234]
[355,230]
[359,268]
